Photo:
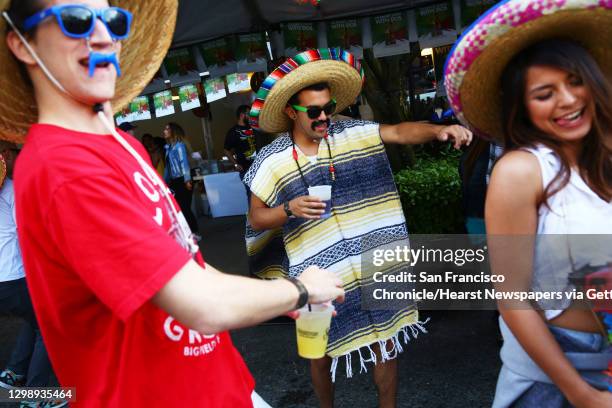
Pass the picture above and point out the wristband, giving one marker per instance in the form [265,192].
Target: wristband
[287,210]
[303,292]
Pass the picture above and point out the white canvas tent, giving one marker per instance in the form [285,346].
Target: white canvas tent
[201,20]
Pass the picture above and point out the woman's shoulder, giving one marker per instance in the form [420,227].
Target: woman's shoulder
[518,163]
[517,171]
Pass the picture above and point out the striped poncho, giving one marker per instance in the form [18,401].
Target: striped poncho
[366,214]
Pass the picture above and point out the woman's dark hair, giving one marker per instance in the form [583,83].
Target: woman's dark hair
[594,161]
[176,131]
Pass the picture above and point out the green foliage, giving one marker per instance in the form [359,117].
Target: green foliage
[431,194]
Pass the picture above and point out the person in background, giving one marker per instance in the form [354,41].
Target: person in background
[177,172]
[475,169]
[147,142]
[158,156]
[550,194]
[128,127]
[240,142]
[28,364]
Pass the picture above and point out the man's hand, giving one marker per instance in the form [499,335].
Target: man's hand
[322,285]
[307,207]
[188,185]
[459,135]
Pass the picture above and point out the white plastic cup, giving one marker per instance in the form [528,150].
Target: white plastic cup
[324,194]
[312,330]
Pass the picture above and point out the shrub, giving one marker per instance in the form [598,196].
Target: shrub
[431,195]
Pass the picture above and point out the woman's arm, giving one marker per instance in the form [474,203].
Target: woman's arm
[184,160]
[511,219]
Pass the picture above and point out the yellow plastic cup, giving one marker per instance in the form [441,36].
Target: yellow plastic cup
[312,330]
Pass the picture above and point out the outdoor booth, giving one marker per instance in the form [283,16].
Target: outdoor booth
[222,51]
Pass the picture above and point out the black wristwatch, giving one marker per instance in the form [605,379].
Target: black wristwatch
[287,209]
[303,292]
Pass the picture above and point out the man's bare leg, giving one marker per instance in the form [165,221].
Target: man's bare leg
[385,379]
[321,381]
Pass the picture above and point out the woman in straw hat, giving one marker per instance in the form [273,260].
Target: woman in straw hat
[537,76]
[112,266]
[362,213]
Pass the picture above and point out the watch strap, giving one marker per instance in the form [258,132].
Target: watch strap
[287,209]
[303,292]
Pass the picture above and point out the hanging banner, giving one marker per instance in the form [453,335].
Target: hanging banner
[251,52]
[125,115]
[238,82]
[139,108]
[181,65]
[347,35]
[390,34]
[215,89]
[299,37]
[164,106]
[435,25]
[472,9]
[219,56]
[188,97]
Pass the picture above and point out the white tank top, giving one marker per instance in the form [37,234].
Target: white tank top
[574,210]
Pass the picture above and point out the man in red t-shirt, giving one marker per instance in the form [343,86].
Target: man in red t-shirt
[130,314]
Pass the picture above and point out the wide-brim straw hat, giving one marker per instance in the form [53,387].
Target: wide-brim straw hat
[474,67]
[340,69]
[141,55]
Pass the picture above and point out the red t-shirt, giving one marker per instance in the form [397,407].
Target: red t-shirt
[96,237]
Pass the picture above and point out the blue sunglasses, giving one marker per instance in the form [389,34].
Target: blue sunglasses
[79,21]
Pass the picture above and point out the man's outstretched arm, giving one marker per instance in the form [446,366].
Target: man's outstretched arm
[418,133]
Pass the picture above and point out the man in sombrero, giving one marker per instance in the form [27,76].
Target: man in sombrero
[297,100]
[130,314]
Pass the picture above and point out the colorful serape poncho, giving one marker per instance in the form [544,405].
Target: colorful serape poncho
[366,214]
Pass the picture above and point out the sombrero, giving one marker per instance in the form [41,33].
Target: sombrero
[340,69]
[475,65]
[141,56]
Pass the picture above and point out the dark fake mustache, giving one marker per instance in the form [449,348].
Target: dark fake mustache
[320,122]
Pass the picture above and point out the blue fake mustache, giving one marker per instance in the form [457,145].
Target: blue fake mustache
[96,58]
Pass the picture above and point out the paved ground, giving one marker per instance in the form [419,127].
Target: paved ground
[454,365]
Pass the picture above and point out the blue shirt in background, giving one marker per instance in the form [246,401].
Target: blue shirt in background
[177,162]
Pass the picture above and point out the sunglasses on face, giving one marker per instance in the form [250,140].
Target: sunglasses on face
[79,21]
[314,112]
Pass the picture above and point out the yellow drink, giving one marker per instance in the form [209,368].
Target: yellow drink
[312,329]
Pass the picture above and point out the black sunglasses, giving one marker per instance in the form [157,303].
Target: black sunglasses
[314,112]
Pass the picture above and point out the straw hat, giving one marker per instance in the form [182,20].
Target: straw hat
[338,68]
[474,66]
[141,56]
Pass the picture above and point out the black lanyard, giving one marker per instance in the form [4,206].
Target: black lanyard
[332,169]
